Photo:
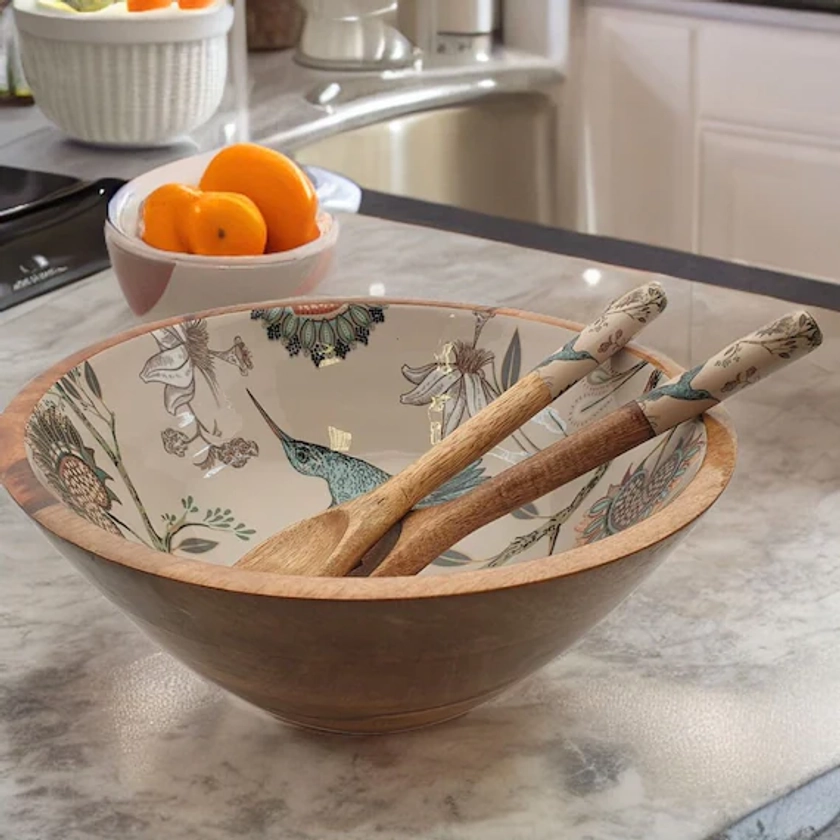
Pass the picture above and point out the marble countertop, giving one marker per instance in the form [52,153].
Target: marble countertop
[711,690]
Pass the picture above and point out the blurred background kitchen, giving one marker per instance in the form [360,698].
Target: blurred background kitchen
[711,127]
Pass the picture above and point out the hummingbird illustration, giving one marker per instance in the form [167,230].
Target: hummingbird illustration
[348,477]
[682,389]
[569,353]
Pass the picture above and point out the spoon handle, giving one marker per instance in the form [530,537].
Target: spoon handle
[429,532]
[377,511]
[596,343]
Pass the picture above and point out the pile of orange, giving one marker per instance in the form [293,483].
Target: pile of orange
[251,200]
[151,5]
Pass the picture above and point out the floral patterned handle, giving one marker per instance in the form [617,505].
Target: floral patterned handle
[619,323]
[740,364]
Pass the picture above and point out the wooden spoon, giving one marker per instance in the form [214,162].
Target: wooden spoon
[333,542]
[425,534]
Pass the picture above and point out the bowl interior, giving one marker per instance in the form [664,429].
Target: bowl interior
[205,437]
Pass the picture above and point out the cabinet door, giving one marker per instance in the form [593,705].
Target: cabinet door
[771,200]
[637,175]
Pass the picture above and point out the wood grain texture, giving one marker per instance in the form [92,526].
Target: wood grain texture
[361,655]
[426,534]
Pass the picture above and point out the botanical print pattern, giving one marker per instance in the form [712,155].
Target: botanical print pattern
[599,386]
[457,385]
[550,528]
[784,338]
[184,354]
[753,357]
[324,332]
[641,305]
[348,477]
[457,382]
[70,468]
[643,489]
[463,380]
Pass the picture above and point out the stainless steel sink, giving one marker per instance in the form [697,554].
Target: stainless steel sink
[495,154]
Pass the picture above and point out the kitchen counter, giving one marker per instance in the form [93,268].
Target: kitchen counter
[711,690]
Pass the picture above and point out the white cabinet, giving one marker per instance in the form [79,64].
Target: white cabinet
[638,129]
[770,200]
[714,136]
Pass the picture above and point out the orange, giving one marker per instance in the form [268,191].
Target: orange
[195,4]
[277,185]
[146,5]
[224,224]
[162,215]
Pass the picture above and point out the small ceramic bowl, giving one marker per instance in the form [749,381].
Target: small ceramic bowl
[156,459]
[119,78]
[158,284]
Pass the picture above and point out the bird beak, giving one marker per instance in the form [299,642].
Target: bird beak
[271,424]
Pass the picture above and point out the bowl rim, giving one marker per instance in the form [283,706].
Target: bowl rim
[151,28]
[57,519]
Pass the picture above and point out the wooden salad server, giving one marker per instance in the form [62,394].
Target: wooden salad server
[333,542]
[425,534]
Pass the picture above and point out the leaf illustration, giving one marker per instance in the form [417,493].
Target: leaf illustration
[601,376]
[71,388]
[528,511]
[195,545]
[92,380]
[512,362]
[558,420]
[452,558]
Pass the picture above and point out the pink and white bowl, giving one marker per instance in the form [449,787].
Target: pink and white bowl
[161,284]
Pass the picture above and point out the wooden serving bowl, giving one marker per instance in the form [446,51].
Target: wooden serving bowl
[147,461]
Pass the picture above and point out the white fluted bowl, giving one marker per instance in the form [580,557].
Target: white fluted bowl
[135,79]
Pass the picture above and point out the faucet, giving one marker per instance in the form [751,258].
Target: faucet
[386,34]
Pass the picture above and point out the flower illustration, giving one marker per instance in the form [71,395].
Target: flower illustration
[235,453]
[322,331]
[456,383]
[183,349]
[641,491]
[184,352]
[238,355]
[175,442]
[69,466]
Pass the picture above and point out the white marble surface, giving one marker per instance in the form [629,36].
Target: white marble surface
[711,690]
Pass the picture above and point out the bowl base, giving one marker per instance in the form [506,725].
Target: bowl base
[386,724]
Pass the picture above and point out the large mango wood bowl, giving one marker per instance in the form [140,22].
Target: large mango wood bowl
[155,459]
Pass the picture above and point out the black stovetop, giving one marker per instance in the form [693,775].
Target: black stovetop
[51,231]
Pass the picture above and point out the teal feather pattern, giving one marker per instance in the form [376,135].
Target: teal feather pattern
[682,389]
[568,353]
[348,477]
